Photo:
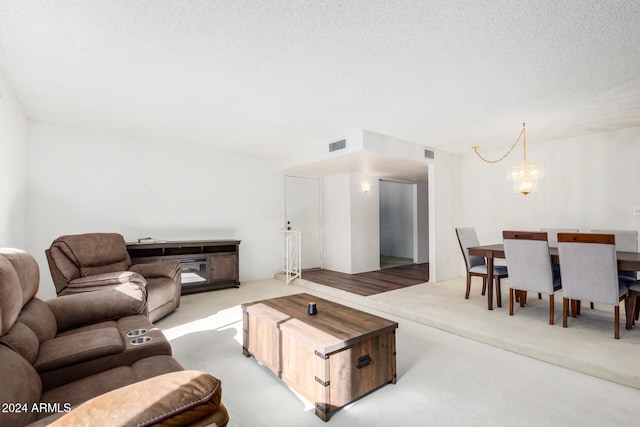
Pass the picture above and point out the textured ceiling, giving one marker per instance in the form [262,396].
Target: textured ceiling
[272,77]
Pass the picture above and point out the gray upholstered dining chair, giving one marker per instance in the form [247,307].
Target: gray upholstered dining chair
[552,234]
[477,265]
[530,268]
[626,241]
[633,309]
[589,271]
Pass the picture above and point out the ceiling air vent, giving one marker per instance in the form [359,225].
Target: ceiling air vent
[429,154]
[338,145]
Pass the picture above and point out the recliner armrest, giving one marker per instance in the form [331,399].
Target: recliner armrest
[71,350]
[177,398]
[164,268]
[113,302]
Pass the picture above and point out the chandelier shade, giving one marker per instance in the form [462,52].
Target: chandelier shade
[525,177]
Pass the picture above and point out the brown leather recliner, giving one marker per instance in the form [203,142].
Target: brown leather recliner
[88,262]
[71,361]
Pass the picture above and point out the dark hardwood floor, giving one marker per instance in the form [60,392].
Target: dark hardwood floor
[373,282]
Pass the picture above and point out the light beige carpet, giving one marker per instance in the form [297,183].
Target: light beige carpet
[443,379]
[586,345]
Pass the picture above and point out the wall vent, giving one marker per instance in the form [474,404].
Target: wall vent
[338,145]
[429,154]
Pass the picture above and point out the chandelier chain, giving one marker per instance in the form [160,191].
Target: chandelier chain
[475,148]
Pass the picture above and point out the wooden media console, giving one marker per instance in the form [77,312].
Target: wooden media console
[205,264]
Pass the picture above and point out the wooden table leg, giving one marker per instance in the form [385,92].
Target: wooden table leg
[489,256]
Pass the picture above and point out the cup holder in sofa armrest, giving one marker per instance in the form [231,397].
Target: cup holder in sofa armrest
[140,340]
[136,332]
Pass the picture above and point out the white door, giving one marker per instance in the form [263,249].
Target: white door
[302,210]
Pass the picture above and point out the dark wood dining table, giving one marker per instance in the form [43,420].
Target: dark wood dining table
[627,261]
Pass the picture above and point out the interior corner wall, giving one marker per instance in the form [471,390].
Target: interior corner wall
[13,170]
[82,180]
[421,221]
[591,182]
[351,223]
[365,223]
[336,223]
[445,259]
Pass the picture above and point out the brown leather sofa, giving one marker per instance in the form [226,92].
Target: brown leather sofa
[88,262]
[84,359]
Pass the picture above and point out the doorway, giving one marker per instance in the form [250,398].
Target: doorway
[397,228]
[303,213]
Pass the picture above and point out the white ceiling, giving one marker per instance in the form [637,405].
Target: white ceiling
[274,77]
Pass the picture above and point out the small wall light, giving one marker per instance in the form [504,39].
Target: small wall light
[366,188]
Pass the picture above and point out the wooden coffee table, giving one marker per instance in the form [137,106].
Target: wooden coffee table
[331,358]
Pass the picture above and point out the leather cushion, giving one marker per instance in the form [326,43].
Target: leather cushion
[11,292]
[86,388]
[188,397]
[27,269]
[167,268]
[37,315]
[20,384]
[72,349]
[91,252]
[23,340]
[107,268]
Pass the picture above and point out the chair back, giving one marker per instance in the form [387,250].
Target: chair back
[626,240]
[552,234]
[19,283]
[80,255]
[588,267]
[529,261]
[468,238]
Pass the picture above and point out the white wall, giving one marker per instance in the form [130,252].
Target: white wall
[590,182]
[81,181]
[421,220]
[13,172]
[351,223]
[445,259]
[88,181]
[365,223]
[336,223]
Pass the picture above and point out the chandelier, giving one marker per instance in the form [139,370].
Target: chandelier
[525,176]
